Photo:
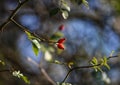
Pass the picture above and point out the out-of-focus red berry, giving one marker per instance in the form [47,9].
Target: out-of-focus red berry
[60,46]
[60,43]
[62,40]
[61,27]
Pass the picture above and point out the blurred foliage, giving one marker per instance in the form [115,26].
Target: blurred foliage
[21,76]
[48,35]
[116,5]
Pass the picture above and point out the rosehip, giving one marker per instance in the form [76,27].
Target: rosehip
[60,46]
[61,27]
[62,40]
[60,43]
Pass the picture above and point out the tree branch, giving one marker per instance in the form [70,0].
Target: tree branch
[89,66]
[43,71]
[12,15]
[76,68]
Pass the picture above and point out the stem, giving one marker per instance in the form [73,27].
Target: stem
[43,71]
[12,15]
[26,29]
[76,68]
[89,66]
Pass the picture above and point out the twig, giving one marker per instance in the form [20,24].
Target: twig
[43,71]
[89,66]
[12,15]
[76,68]
[25,29]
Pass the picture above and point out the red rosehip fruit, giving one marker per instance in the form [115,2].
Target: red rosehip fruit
[61,27]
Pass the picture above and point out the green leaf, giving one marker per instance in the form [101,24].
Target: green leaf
[64,83]
[65,14]
[94,61]
[57,62]
[54,11]
[2,62]
[25,79]
[30,36]
[64,5]
[35,46]
[106,62]
[57,36]
[36,43]
[28,33]
[85,3]
[35,49]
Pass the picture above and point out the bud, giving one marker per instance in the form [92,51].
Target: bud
[60,43]
[61,27]
[60,46]
[62,40]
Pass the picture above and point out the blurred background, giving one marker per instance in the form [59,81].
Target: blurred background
[93,32]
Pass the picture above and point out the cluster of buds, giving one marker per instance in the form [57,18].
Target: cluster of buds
[60,42]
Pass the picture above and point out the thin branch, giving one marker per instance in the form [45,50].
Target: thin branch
[76,68]
[26,29]
[89,66]
[43,71]
[12,15]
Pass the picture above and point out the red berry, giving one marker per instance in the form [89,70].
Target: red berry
[60,43]
[60,46]
[61,27]
[62,40]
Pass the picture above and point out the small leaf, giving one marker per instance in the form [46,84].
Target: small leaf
[66,7]
[25,79]
[57,62]
[85,3]
[70,64]
[94,61]
[104,62]
[28,33]
[2,62]
[35,49]
[107,66]
[30,36]
[36,43]
[35,46]
[65,14]
[54,11]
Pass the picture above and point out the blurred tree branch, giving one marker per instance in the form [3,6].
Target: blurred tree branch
[20,4]
[88,66]
[43,71]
